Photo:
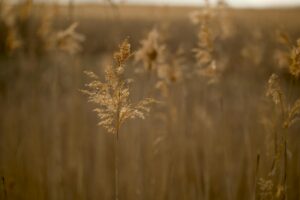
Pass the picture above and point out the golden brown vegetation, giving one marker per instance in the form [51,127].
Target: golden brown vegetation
[224,123]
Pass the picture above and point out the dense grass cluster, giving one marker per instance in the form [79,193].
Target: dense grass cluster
[217,91]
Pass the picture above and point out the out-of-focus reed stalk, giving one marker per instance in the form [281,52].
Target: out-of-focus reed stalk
[22,26]
[275,186]
[256,175]
[205,52]
[71,8]
[3,183]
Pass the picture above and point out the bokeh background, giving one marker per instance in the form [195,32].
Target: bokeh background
[202,141]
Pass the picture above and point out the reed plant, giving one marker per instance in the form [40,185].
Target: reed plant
[112,99]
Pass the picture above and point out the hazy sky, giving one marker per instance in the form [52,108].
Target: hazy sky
[234,3]
[231,2]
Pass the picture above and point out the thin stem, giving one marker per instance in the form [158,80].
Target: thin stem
[285,170]
[282,106]
[274,163]
[71,10]
[256,175]
[4,188]
[116,165]
[116,142]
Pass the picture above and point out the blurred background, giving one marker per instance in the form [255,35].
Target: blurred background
[215,134]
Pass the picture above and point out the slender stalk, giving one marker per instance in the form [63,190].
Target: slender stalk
[116,139]
[285,170]
[116,165]
[282,106]
[4,188]
[116,143]
[274,162]
[71,10]
[256,176]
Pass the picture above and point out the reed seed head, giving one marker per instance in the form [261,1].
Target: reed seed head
[112,97]
[295,60]
[151,51]
[273,89]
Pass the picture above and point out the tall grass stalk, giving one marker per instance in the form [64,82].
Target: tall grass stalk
[112,98]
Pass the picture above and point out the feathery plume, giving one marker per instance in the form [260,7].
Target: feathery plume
[274,90]
[294,67]
[112,96]
[151,51]
[9,40]
[293,114]
[205,50]
[69,40]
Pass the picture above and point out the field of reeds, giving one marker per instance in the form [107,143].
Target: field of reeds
[123,102]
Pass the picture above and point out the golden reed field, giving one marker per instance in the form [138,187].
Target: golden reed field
[120,102]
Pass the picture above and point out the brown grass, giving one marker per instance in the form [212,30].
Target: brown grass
[207,139]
